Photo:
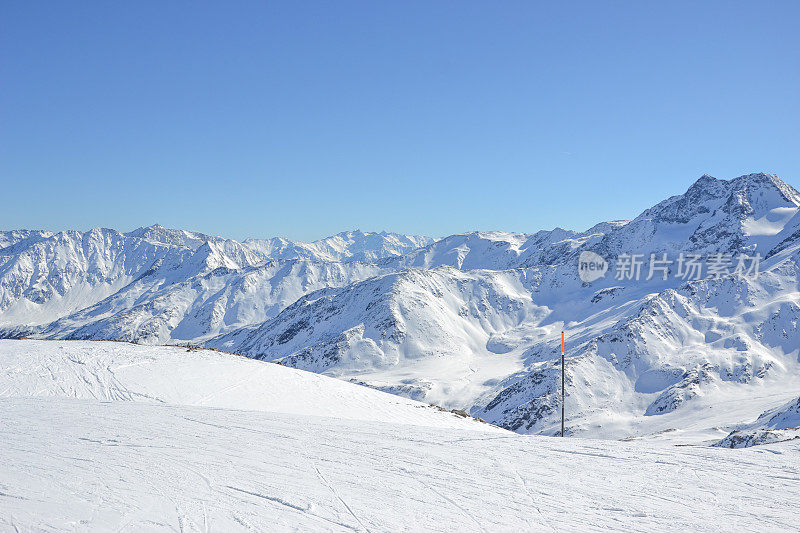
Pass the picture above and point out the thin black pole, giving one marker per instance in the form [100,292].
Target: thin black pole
[562,383]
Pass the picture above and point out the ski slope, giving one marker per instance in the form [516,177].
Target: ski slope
[118,371]
[125,466]
[103,436]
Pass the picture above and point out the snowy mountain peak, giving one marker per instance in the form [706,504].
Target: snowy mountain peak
[764,181]
[160,234]
[346,246]
[606,227]
[756,184]
[751,213]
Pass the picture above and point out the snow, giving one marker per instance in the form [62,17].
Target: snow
[346,246]
[146,284]
[778,424]
[770,224]
[451,316]
[784,417]
[105,436]
[112,371]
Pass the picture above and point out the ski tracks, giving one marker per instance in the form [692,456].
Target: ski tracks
[335,493]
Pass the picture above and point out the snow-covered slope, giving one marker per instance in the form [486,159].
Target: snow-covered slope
[430,334]
[119,371]
[9,238]
[786,416]
[108,436]
[346,246]
[90,465]
[46,276]
[156,285]
[775,425]
[499,250]
[192,308]
[756,212]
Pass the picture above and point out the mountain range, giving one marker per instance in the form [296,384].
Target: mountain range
[469,321]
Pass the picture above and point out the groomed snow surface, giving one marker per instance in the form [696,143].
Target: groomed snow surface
[109,436]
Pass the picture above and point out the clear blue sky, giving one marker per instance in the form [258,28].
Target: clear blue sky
[304,119]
